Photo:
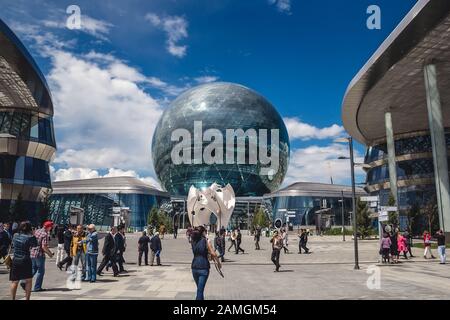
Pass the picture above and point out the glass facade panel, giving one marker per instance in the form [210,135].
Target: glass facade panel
[412,145]
[99,207]
[305,209]
[411,169]
[26,126]
[24,170]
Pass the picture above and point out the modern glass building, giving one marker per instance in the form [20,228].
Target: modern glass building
[414,167]
[398,105]
[218,107]
[306,199]
[27,141]
[98,197]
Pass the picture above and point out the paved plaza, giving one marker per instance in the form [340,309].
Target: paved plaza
[326,273]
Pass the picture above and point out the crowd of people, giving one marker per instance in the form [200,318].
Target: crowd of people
[395,244]
[77,250]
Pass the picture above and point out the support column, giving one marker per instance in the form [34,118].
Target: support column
[391,154]
[439,148]
[184,214]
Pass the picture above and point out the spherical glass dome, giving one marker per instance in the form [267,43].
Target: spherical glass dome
[217,132]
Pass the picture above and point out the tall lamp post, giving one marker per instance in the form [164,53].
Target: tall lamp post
[342,215]
[349,140]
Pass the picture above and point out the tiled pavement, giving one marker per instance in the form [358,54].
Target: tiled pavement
[327,273]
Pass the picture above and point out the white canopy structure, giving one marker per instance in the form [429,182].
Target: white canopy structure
[216,200]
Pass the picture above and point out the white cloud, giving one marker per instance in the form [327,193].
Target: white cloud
[175,28]
[74,174]
[103,117]
[318,164]
[283,6]
[97,28]
[300,130]
[206,79]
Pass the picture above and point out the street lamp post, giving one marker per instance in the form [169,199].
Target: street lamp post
[342,214]
[349,140]
[355,232]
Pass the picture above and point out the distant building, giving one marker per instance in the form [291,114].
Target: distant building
[304,199]
[98,197]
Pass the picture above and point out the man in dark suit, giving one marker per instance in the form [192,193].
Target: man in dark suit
[143,247]
[156,247]
[109,252]
[120,243]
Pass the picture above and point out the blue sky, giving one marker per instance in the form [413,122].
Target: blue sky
[112,79]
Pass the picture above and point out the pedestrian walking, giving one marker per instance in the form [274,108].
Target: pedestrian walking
[427,245]
[277,245]
[409,240]
[143,242]
[78,253]
[59,230]
[440,237]
[162,231]
[284,236]
[201,247]
[109,252]
[68,234]
[21,266]
[232,238]
[156,248]
[238,242]
[402,246]
[303,240]
[119,238]
[38,254]
[385,248]
[394,246]
[257,237]
[175,231]
[91,242]
[189,233]
[5,241]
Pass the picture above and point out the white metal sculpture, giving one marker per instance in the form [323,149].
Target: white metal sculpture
[216,200]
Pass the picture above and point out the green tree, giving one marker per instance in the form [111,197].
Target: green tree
[363,220]
[260,217]
[18,211]
[430,212]
[157,217]
[152,218]
[393,216]
[413,215]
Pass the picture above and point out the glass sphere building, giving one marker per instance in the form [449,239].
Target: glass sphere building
[213,110]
